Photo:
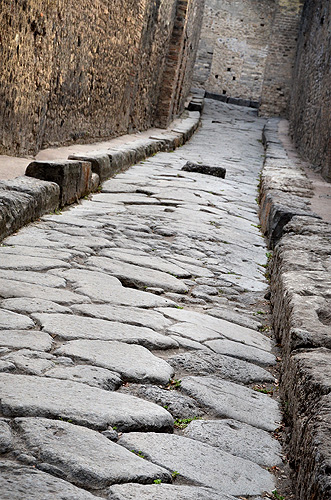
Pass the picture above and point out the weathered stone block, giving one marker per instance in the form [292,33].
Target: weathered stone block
[100,164]
[73,177]
[204,169]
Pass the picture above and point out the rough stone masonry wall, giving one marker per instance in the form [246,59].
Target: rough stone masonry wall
[233,47]
[82,70]
[310,105]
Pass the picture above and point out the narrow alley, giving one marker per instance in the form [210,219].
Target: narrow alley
[137,360]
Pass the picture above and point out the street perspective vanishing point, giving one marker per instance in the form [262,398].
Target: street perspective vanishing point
[165,243]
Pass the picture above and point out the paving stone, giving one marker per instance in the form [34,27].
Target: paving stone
[229,400]
[16,480]
[229,330]
[242,351]
[209,363]
[132,315]
[188,343]
[133,362]
[164,492]
[28,262]
[31,362]
[27,395]
[31,305]
[6,438]
[240,318]
[237,438]
[199,462]
[84,456]
[12,321]
[43,279]
[194,332]
[90,375]
[101,287]
[78,327]
[132,275]
[149,261]
[6,366]
[11,289]
[29,339]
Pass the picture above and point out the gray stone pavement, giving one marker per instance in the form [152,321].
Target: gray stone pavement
[132,349]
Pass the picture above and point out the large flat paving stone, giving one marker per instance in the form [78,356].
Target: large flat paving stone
[29,262]
[11,288]
[149,261]
[209,363]
[85,457]
[10,320]
[198,333]
[26,339]
[133,362]
[16,480]
[79,327]
[103,288]
[231,331]
[229,400]
[38,278]
[164,492]
[136,276]
[124,314]
[24,395]
[30,305]
[237,438]
[201,463]
[242,351]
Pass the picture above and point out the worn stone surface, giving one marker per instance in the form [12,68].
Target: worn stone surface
[242,351]
[14,321]
[204,169]
[164,492]
[16,480]
[76,327]
[6,438]
[237,438]
[189,458]
[132,362]
[29,339]
[84,456]
[230,400]
[89,406]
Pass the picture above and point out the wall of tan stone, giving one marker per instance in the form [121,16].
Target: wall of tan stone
[86,70]
[310,105]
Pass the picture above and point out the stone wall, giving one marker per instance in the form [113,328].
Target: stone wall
[310,105]
[84,70]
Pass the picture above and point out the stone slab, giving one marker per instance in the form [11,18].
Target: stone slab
[84,456]
[29,339]
[132,315]
[79,327]
[229,400]
[24,395]
[10,320]
[6,437]
[242,351]
[198,333]
[132,275]
[229,330]
[86,374]
[29,262]
[11,289]
[164,492]
[132,362]
[31,305]
[201,463]
[237,438]
[16,480]
[31,276]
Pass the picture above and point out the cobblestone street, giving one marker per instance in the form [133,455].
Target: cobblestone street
[136,360]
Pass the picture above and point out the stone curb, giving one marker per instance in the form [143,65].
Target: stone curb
[301,304]
[50,185]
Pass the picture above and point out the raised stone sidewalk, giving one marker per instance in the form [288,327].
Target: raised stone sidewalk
[137,360]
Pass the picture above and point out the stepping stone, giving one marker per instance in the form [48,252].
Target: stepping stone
[68,326]
[146,260]
[136,276]
[229,330]
[237,438]
[26,339]
[132,315]
[209,363]
[12,321]
[103,288]
[201,463]
[24,395]
[133,362]
[85,457]
[242,351]
[16,480]
[11,288]
[164,492]
[229,400]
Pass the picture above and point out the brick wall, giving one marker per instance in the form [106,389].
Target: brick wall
[87,69]
[310,105]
